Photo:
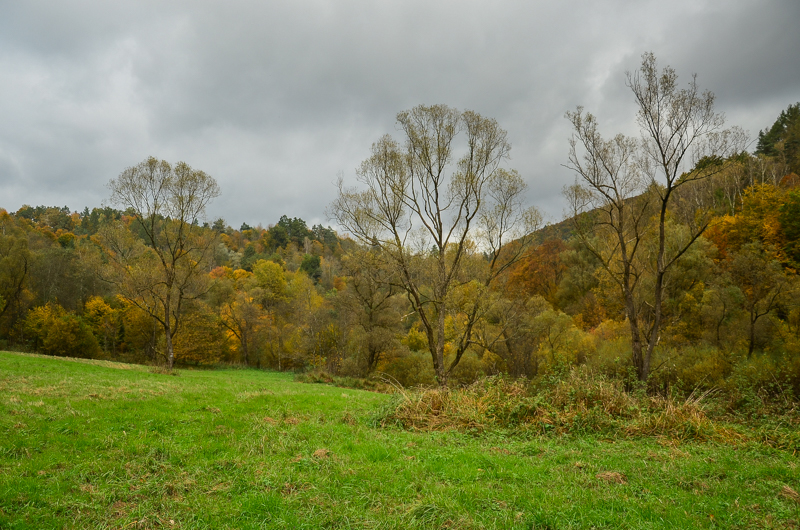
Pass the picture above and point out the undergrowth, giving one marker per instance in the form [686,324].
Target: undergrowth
[583,403]
[374,384]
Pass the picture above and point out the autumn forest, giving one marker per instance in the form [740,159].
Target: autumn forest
[676,268]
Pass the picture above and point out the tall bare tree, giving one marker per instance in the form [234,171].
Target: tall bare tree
[435,206]
[624,189]
[158,264]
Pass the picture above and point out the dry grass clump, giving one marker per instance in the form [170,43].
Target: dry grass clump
[789,493]
[582,402]
[321,453]
[583,391]
[682,420]
[162,370]
[492,402]
[613,477]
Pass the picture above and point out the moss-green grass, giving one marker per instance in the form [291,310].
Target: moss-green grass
[99,445]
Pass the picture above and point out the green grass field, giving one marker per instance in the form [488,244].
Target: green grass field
[103,445]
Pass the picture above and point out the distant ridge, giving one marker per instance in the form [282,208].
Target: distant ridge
[561,230]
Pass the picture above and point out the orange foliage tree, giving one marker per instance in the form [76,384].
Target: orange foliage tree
[539,272]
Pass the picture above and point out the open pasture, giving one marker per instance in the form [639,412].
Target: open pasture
[103,445]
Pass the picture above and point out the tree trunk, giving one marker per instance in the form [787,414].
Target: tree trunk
[653,339]
[372,350]
[658,293]
[168,335]
[245,353]
[170,353]
[636,335]
[280,349]
[372,355]
[719,323]
[441,372]
[441,293]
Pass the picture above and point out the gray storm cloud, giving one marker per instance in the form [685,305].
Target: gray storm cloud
[274,99]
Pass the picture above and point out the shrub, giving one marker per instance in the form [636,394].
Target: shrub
[410,369]
[762,385]
[690,368]
[468,370]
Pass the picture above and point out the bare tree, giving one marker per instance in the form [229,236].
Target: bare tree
[432,206]
[161,266]
[624,183]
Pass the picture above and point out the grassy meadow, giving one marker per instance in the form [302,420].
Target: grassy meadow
[91,444]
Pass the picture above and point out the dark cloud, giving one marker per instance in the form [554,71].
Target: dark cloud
[275,99]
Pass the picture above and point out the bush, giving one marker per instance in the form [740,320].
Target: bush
[690,368]
[612,356]
[762,385]
[411,369]
[373,382]
[468,370]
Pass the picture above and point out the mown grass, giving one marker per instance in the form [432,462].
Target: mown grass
[98,445]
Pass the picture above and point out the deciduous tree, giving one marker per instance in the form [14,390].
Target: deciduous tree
[762,282]
[15,265]
[367,299]
[164,268]
[240,311]
[430,204]
[624,182]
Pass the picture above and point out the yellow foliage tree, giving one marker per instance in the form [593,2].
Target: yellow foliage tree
[55,331]
[105,322]
[203,341]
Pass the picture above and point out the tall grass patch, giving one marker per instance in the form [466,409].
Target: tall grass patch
[579,403]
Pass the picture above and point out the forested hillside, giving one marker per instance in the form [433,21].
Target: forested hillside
[293,297]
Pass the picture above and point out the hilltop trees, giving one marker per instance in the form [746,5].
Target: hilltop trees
[443,223]
[163,268]
[782,140]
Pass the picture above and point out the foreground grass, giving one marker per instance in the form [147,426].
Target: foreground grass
[98,445]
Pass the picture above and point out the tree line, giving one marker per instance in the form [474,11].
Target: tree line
[675,269]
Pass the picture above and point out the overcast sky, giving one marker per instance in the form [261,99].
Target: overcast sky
[274,99]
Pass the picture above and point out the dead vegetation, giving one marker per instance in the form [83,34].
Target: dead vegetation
[580,403]
[789,493]
[612,477]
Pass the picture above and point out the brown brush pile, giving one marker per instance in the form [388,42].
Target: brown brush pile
[580,403]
